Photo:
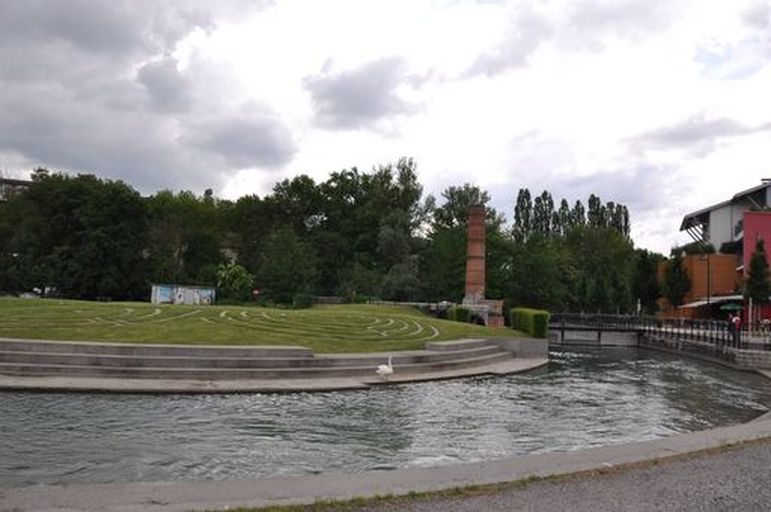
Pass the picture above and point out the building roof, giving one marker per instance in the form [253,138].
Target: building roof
[15,182]
[700,217]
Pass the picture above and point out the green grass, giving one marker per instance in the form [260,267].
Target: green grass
[345,328]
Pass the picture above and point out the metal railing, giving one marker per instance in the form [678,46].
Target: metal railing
[714,336]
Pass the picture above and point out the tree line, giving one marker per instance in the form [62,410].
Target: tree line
[355,235]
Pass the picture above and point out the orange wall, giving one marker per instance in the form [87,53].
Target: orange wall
[722,270]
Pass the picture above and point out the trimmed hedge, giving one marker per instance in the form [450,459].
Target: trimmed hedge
[459,314]
[534,322]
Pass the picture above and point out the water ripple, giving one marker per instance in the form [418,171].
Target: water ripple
[582,399]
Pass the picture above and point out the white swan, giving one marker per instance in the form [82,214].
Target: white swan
[384,370]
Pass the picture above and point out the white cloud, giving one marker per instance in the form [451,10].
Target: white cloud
[661,105]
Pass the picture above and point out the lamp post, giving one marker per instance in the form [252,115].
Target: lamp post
[709,280]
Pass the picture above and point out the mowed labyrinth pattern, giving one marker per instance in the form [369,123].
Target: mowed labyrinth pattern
[346,328]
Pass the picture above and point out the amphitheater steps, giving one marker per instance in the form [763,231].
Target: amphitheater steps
[54,359]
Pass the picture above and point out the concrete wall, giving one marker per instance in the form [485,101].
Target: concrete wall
[754,359]
[593,338]
[524,347]
[720,226]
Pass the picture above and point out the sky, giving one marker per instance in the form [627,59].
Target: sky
[663,105]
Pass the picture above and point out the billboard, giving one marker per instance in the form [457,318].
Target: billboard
[181,294]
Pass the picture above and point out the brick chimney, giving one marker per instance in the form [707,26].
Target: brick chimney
[475,256]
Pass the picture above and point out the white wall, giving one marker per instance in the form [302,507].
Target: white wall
[720,226]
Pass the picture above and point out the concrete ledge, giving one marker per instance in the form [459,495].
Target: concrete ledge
[151,349]
[524,347]
[186,386]
[179,496]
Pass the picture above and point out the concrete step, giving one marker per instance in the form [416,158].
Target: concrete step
[463,344]
[208,373]
[151,350]
[215,361]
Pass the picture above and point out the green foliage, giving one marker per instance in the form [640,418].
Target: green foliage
[302,300]
[694,248]
[757,286]
[534,322]
[80,235]
[645,286]
[355,234]
[676,282]
[234,282]
[288,266]
[734,247]
[459,314]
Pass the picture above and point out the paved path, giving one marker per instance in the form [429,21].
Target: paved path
[179,496]
[735,480]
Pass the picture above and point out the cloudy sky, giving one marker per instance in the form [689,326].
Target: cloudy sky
[663,105]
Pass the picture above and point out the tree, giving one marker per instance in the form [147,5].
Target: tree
[402,282]
[543,210]
[676,282]
[458,200]
[288,267]
[757,286]
[234,282]
[523,211]
[80,235]
[577,215]
[645,285]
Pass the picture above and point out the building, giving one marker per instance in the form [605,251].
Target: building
[724,222]
[9,186]
[732,229]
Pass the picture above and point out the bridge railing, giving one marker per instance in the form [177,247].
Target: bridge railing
[716,335]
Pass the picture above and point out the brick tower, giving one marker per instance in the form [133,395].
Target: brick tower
[489,311]
[475,256]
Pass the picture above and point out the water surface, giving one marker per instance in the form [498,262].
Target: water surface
[581,399]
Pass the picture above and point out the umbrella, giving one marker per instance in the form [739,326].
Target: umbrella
[731,307]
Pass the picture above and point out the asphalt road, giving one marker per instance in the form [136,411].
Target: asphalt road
[737,479]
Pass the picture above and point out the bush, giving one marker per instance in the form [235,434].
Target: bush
[459,314]
[302,300]
[534,322]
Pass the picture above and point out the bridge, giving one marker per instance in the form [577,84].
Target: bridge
[708,339]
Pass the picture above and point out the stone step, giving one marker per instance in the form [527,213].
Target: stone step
[207,373]
[463,344]
[152,350]
[221,361]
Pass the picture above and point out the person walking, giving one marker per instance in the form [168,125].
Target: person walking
[736,323]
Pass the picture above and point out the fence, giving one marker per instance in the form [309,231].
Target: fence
[714,338]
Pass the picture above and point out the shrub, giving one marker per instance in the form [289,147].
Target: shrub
[302,300]
[534,322]
[459,314]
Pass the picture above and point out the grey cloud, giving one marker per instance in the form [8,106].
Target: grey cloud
[590,22]
[88,86]
[697,134]
[758,15]
[256,139]
[114,27]
[527,31]
[138,147]
[168,89]
[585,25]
[94,25]
[358,97]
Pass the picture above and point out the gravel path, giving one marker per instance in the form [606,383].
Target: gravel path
[738,479]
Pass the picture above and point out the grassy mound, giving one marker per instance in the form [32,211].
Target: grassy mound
[347,328]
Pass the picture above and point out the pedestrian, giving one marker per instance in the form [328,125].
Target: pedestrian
[736,321]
